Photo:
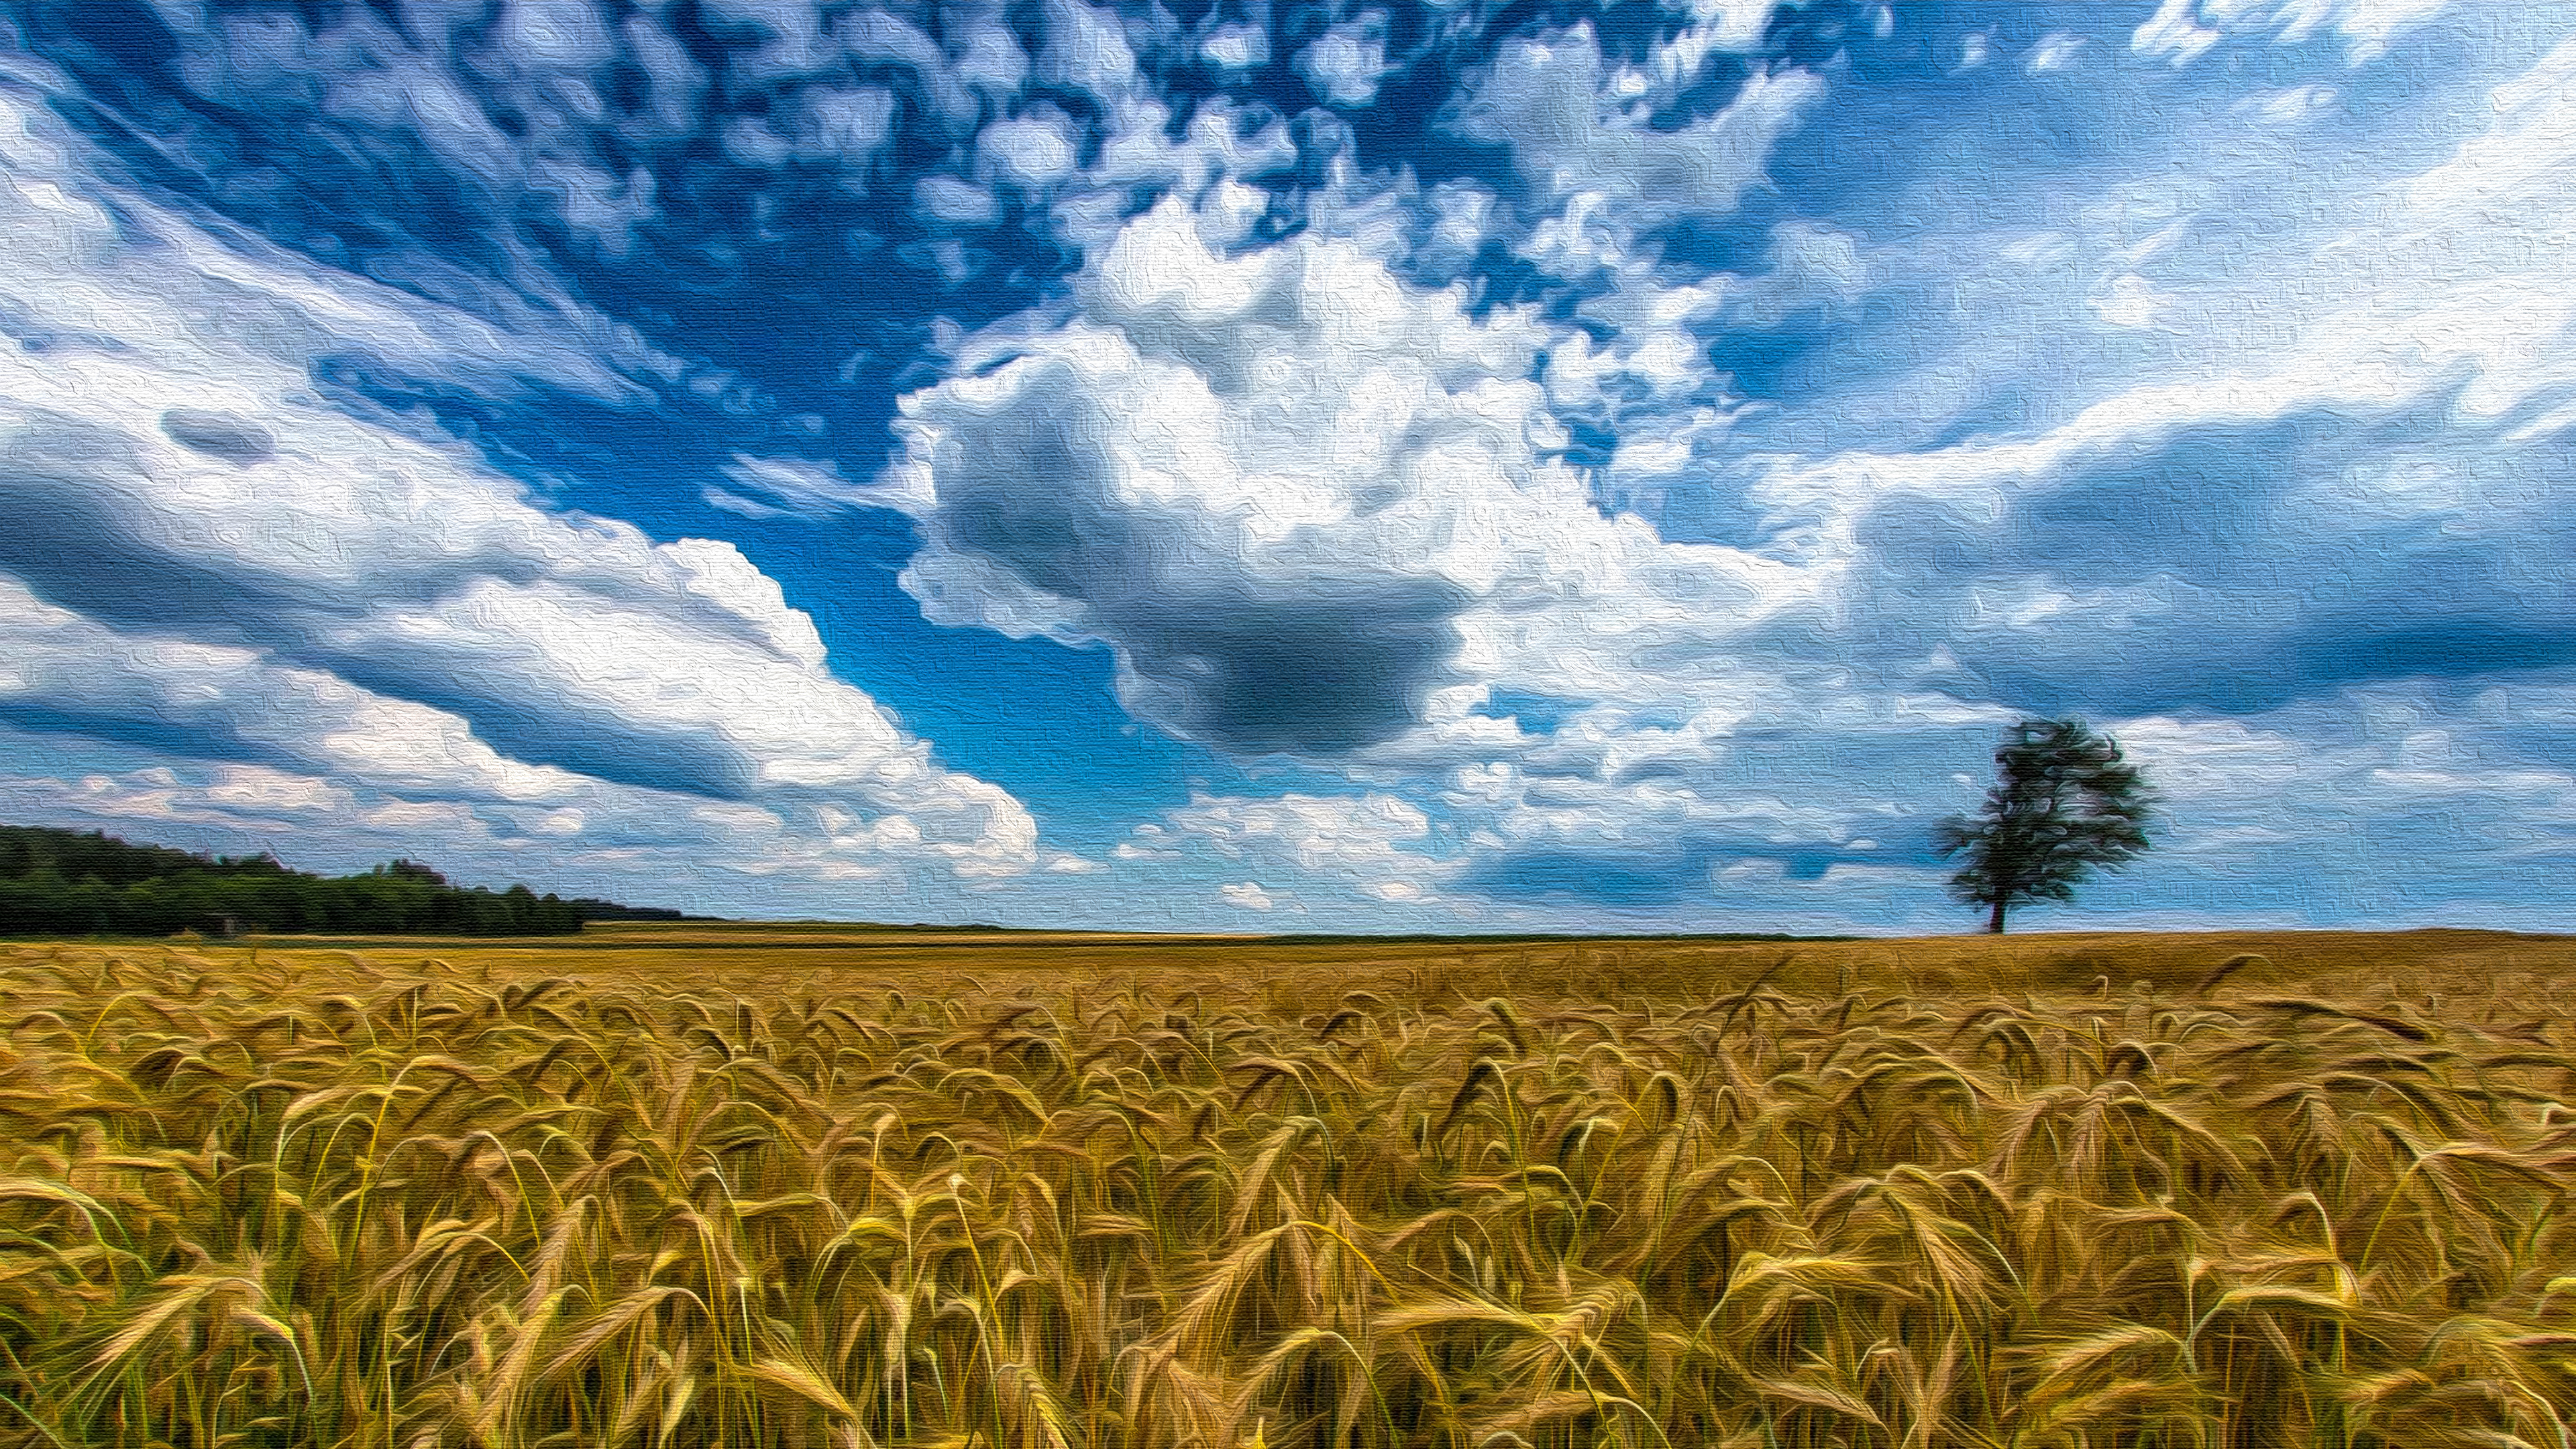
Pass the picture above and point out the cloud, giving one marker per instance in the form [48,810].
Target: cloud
[512,163]
[214,563]
[74,675]
[1034,150]
[1603,714]
[1247,895]
[1716,27]
[1087,49]
[1371,843]
[1345,64]
[2292,105]
[595,839]
[2054,51]
[217,436]
[1308,506]
[1177,475]
[955,202]
[2364,492]
[804,487]
[448,88]
[1582,143]
[1236,49]
[1203,156]
[272,305]
[2184,30]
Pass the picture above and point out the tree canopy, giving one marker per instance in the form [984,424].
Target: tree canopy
[65,883]
[2064,802]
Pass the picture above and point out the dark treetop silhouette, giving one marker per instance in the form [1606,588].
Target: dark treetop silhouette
[62,883]
[2063,802]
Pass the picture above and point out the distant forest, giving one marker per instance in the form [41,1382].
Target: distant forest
[64,883]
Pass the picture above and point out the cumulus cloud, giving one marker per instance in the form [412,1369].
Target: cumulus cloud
[1033,150]
[1309,506]
[1088,50]
[1235,49]
[1345,64]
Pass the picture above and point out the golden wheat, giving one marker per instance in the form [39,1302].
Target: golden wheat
[530,1198]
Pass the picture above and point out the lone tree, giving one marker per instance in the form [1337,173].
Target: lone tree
[2063,802]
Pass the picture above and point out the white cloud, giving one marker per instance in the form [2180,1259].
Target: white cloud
[956,202]
[1580,138]
[1374,843]
[1236,49]
[2186,29]
[2293,104]
[2054,51]
[1033,150]
[1247,895]
[2129,301]
[1345,64]
[1087,49]
[366,70]
[1220,145]
[770,487]
[258,300]
[1312,507]
[1350,463]
[716,496]
[1716,26]
[845,125]
[2449,279]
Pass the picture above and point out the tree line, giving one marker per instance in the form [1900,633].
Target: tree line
[65,883]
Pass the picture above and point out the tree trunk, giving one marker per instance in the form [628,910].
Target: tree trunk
[1995,919]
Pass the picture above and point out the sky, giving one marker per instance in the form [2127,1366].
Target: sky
[1458,467]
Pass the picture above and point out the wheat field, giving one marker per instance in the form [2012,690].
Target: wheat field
[763,1187]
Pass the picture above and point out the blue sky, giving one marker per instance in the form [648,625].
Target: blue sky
[1268,467]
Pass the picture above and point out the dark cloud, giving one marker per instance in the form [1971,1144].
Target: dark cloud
[218,435]
[1613,878]
[210,734]
[2232,567]
[1324,671]
[1300,664]
[560,729]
